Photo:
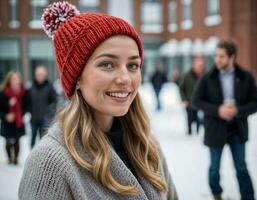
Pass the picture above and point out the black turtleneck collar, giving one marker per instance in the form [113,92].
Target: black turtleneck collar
[115,136]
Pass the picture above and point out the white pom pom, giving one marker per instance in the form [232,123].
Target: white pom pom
[55,14]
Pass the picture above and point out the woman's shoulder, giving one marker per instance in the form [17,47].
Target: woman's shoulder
[50,151]
[47,169]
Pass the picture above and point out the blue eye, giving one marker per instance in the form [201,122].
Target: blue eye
[133,66]
[106,65]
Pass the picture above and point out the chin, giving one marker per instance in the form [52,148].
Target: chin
[220,67]
[120,113]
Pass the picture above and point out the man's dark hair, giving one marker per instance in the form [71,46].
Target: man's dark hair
[229,46]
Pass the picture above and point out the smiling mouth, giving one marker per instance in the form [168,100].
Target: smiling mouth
[118,94]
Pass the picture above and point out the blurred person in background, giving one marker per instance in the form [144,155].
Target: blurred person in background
[14,103]
[43,103]
[186,87]
[227,94]
[101,146]
[158,79]
[175,76]
[61,98]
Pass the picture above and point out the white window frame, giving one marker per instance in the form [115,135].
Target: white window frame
[14,23]
[90,5]
[125,11]
[152,28]
[172,27]
[213,19]
[187,23]
[36,24]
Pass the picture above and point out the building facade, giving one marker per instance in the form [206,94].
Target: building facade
[172,31]
[196,26]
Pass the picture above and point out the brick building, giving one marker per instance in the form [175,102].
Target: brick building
[172,31]
[197,26]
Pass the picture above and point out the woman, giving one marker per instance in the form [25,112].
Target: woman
[100,146]
[13,104]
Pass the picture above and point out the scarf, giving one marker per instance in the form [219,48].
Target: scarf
[15,104]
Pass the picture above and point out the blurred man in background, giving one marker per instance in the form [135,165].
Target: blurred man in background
[158,79]
[227,94]
[186,87]
[43,103]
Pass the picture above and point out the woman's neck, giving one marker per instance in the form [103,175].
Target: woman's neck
[104,121]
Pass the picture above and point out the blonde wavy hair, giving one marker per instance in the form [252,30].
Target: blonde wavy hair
[7,79]
[77,118]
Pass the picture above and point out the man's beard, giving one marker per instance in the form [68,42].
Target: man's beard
[224,67]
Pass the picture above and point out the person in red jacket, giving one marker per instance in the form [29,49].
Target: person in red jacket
[13,104]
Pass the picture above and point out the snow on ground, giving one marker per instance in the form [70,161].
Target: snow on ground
[186,156]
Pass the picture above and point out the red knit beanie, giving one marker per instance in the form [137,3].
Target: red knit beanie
[76,36]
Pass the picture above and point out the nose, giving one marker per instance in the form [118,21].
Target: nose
[123,77]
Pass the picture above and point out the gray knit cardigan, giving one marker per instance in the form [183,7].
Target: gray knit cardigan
[52,174]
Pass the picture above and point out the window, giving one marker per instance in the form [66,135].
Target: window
[125,11]
[186,62]
[187,10]
[150,58]
[213,7]
[41,52]
[36,8]
[187,14]
[213,17]
[13,17]
[151,16]
[9,56]
[88,6]
[172,16]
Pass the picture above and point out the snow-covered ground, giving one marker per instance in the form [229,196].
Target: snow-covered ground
[187,157]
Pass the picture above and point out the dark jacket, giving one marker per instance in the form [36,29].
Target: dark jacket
[208,96]
[158,79]
[9,130]
[186,86]
[43,102]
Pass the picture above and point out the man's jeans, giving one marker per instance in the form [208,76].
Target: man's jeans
[238,153]
[37,128]
[192,117]
[157,94]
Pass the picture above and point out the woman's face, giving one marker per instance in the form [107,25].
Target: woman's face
[111,77]
[15,82]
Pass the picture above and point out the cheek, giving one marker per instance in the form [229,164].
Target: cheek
[15,83]
[137,80]
[94,84]
[219,60]
[223,61]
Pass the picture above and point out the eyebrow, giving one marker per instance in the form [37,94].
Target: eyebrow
[116,57]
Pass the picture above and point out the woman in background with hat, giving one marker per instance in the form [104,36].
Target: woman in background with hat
[100,146]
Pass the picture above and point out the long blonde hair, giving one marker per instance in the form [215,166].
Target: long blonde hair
[77,118]
[7,79]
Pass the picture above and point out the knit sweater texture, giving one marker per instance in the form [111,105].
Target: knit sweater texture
[51,173]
